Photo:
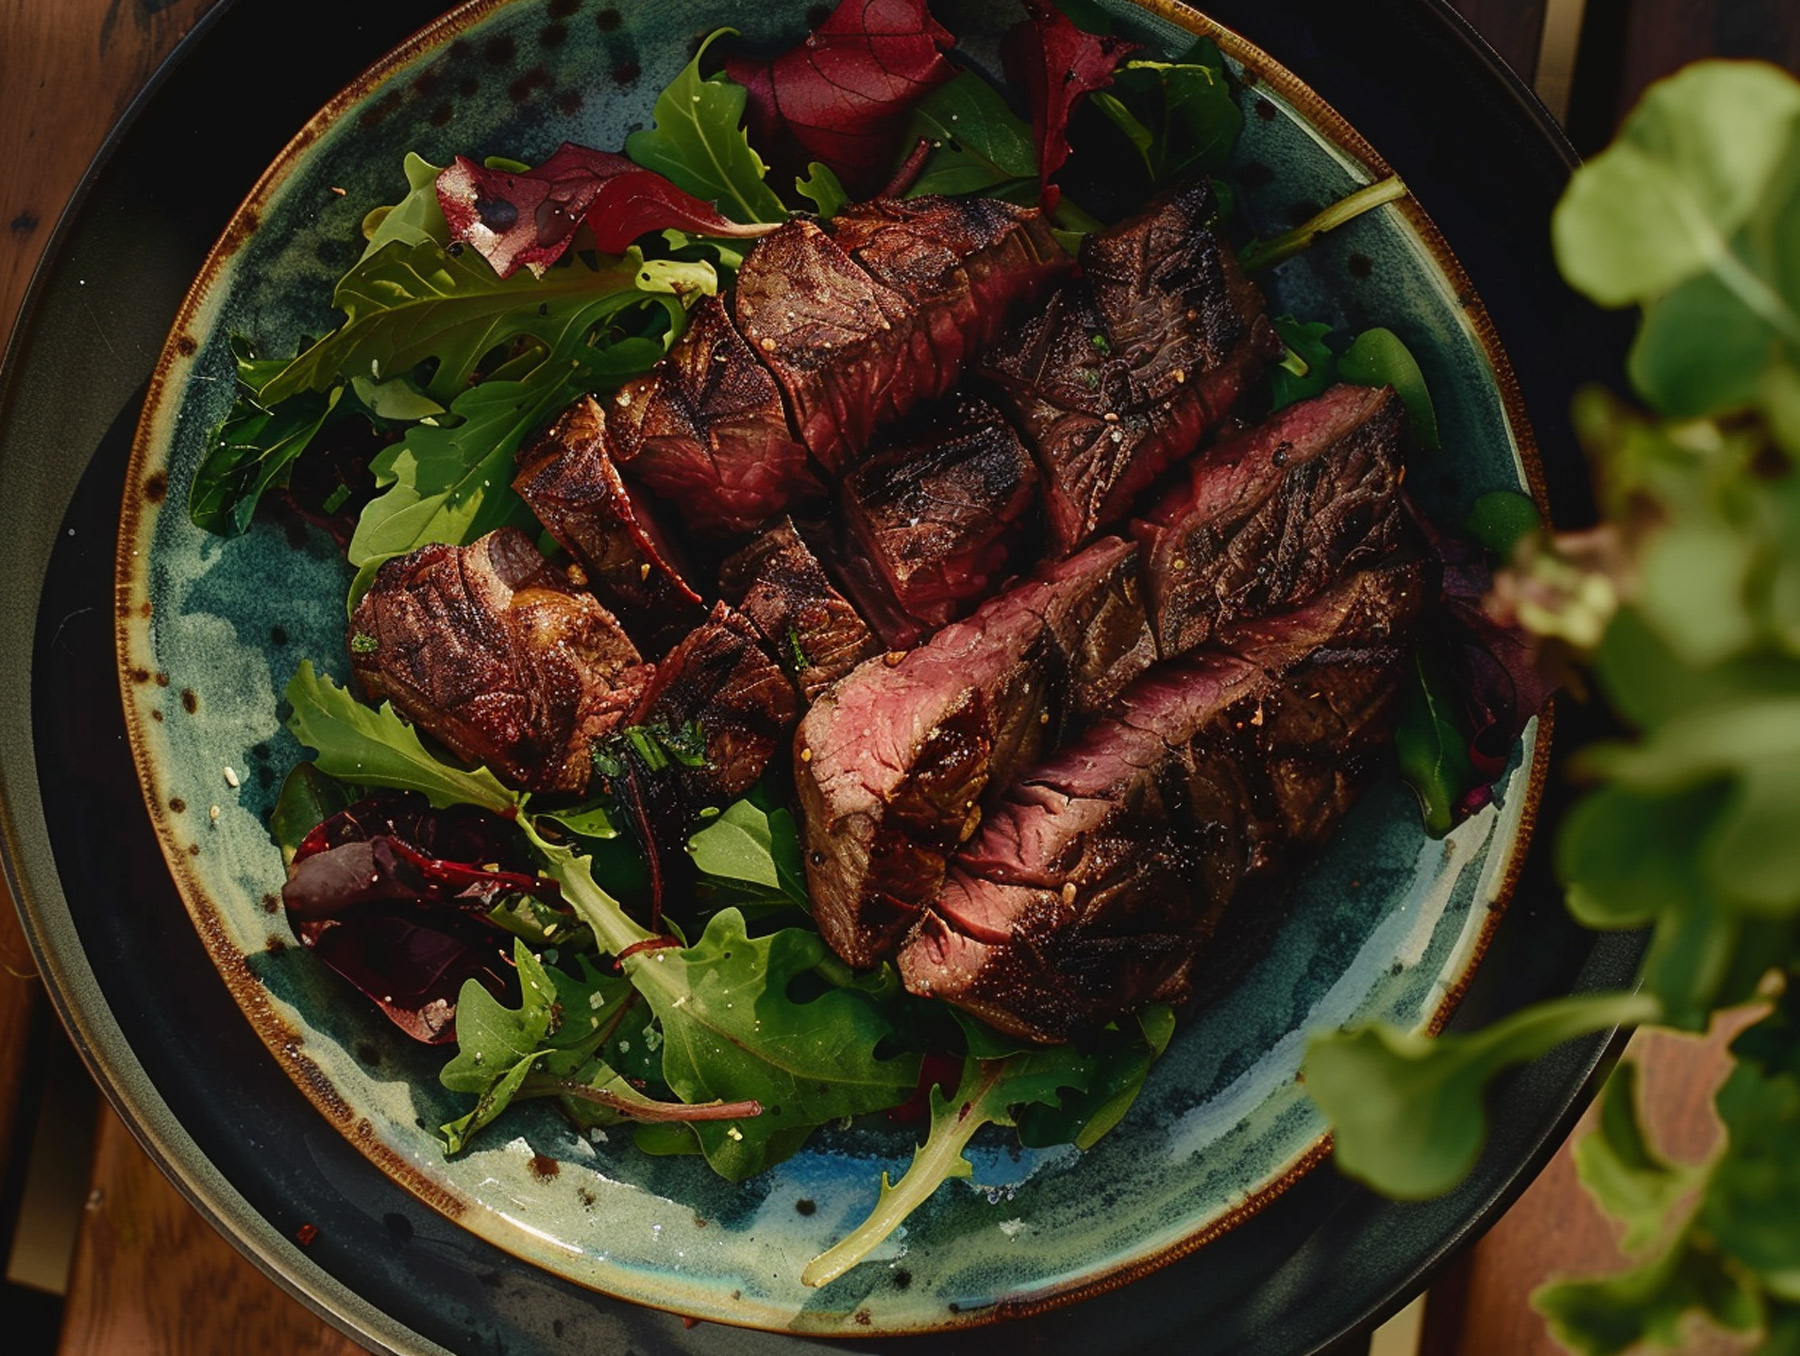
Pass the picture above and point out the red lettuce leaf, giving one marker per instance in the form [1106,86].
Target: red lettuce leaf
[530,217]
[1055,63]
[394,896]
[842,95]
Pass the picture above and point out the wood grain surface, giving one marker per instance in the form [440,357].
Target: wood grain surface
[150,1275]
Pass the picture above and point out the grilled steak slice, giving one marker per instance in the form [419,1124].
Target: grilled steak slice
[706,429]
[721,679]
[1131,363]
[861,325]
[966,265]
[931,525]
[1269,518]
[777,582]
[570,481]
[490,650]
[894,762]
[1095,880]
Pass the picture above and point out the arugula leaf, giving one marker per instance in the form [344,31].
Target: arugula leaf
[1433,742]
[699,143]
[453,483]
[1181,116]
[250,451]
[558,1025]
[1500,519]
[377,748]
[307,799]
[752,848]
[979,144]
[416,218]
[822,186]
[414,302]
[731,1032]
[1309,365]
[1122,1062]
[987,1094]
[1407,1110]
[1378,357]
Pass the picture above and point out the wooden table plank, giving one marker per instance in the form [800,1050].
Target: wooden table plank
[153,1278]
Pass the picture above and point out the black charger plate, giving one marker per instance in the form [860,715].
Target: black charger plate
[1320,1265]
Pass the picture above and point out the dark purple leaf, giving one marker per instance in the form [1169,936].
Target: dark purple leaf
[1055,63]
[530,217]
[842,95]
[394,896]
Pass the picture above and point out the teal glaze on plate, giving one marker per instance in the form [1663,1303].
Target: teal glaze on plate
[1387,923]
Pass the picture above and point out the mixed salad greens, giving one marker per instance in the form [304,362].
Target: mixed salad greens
[487,299]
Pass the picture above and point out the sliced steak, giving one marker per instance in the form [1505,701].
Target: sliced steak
[571,482]
[777,582]
[721,680]
[1095,880]
[706,429]
[893,763]
[490,650]
[966,265]
[1131,363]
[931,524]
[861,325]
[1268,519]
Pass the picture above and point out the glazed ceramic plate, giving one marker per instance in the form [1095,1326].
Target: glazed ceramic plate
[1385,924]
[1388,924]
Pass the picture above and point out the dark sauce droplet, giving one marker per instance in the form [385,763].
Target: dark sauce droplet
[1361,266]
[544,1167]
[189,701]
[805,1206]
[1265,110]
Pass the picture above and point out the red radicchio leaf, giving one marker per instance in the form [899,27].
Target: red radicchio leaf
[530,217]
[842,95]
[412,971]
[1055,63]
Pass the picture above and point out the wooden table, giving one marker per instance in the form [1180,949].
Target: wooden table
[149,1276]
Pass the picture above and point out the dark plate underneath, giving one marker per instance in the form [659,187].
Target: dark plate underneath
[132,981]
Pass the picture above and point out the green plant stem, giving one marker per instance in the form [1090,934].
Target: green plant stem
[639,1109]
[1260,254]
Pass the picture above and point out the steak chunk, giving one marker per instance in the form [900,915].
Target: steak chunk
[861,325]
[894,762]
[931,525]
[778,583]
[721,680]
[490,650]
[571,482]
[1268,519]
[706,429]
[1133,362]
[1095,880]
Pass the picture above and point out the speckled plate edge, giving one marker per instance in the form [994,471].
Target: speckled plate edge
[148,486]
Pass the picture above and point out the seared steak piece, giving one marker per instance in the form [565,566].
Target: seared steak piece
[1130,364]
[490,650]
[1269,518]
[860,326]
[967,266]
[777,582]
[893,764]
[706,429]
[1093,883]
[931,525]
[570,481]
[720,679]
